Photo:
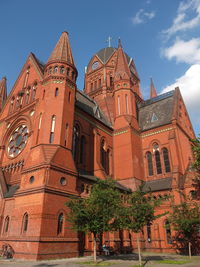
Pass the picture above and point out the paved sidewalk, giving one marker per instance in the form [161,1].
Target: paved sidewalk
[129,260]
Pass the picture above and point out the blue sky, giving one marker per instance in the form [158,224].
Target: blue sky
[163,37]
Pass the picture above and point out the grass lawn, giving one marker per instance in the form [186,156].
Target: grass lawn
[174,261]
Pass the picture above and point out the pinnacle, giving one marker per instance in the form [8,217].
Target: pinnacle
[122,69]
[62,50]
[153,92]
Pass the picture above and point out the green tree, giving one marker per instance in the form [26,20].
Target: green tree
[96,213]
[185,219]
[139,212]
[196,166]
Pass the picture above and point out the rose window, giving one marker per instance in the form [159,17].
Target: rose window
[17,140]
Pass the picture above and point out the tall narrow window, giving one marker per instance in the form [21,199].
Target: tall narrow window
[158,162]
[62,70]
[166,160]
[55,69]
[26,77]
[25,223]
[18,102]
[99,85]
[53,122]
[118,103]
[95,85]
[111,80]
[68,70]
[82,149]
[6,224]
[11,105]
[75,150]
[107,162]
[168,232]
[103,155]
[126,99]
[39,126]
[69,97]
[60,224]
[149,163]
[91,87]
[73,74]
[66,133]
[27,96]
[33,92]
[56,92]
[149,232]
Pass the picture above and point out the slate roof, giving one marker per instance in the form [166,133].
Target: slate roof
[91,177]
[158,185]
[156,111]
[88,105]
[11,191]
[105,53]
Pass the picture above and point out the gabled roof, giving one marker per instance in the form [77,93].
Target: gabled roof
[88,105]
[160,106]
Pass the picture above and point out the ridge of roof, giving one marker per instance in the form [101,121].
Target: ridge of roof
[156,99]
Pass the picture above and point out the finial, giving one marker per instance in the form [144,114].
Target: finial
[66,32]
[109,41]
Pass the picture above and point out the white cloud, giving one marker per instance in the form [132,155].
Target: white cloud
[183,20]
[189,85]
[142,16]
[184,51]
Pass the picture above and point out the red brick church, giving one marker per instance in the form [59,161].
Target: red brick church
[56,140]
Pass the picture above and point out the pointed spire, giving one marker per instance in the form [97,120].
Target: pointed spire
[62,51]
[3,92]
[153,92]
[122,69]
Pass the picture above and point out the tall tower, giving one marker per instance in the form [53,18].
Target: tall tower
[127,142]
[55,112]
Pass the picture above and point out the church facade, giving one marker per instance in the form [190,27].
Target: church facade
[56,140]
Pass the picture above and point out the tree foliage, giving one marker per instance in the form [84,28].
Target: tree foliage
[95,213]
[185,219]
[196,150]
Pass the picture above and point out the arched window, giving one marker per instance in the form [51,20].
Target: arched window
[55,69]
[91,87]
[27,96]
[99,85]
[166,160]
[18,102]
[60,224]
[50,70]
[82,149]
[53,122]
[111,80]
[75,150]
[25,223]
[168,232]
[118,103]
[26,77]
[11,105]
[39,126]
[66,133]
[126,100]
[68,70]
[95,85]
[107,162]
[56,92]
[158,162]
[149,163]
[103,155]
[149,232]
[34,92]
[62,70]
[6,224]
